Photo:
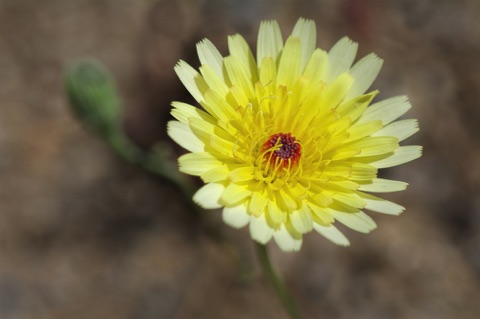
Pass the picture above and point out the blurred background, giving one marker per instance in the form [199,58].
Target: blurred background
[84,234]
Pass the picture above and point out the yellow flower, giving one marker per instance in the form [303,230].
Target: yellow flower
[288,142]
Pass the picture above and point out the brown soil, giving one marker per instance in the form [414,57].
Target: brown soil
[85,235]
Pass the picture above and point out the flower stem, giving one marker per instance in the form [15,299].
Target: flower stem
[94,98]
[278,285]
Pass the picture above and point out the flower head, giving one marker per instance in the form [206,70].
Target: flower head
[288,141]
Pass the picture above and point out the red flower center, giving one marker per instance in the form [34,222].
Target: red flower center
[282,150]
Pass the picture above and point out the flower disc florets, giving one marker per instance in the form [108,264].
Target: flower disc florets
[288,141]
[281,152]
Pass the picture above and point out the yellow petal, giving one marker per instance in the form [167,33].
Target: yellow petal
[340,58]
[332,234]
[351,170]
[399,129]
[241,174]
[218,106]
[301,219]
[307,32]
[286,240]
[269,42]
[239,48]
[268,74]
[289,65]
[364,72]
[360,221]
[183,111]
[216,174]
[239,76]
[197,163]
[208,196]
[380,205]
[320,197]
[192,80]
[238,96]
[355,107]
[258,203]
[401,155]
[285,201]
[213,136]
[209,55]
[371,146]
[350,199]
[213,81]
[316,67]
[321,215]
[275,215]
[379,185]
[360,131]
[259,229]
[236,216]
[182,134]
[337,91]
[234,194]
[387,110]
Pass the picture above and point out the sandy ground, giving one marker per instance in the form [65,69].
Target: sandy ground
[85,235]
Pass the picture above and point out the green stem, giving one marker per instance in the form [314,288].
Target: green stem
[153,160]
[94,98]
[278,285]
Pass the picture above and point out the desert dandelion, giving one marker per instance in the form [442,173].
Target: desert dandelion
[289,141]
